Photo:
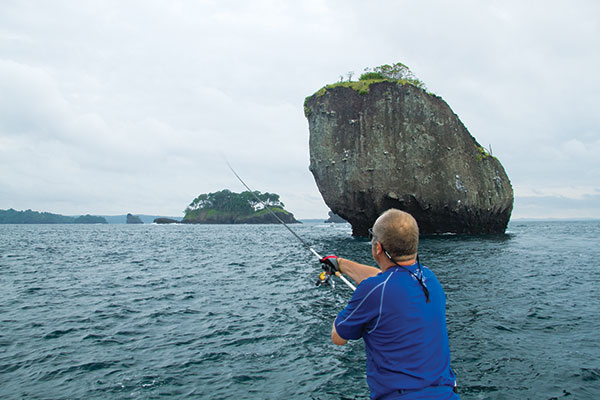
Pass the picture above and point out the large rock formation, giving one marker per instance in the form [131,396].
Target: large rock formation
[398,146]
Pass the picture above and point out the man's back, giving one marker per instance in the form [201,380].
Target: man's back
[405,336]
[400,312]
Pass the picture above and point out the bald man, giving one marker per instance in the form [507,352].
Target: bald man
[399,309]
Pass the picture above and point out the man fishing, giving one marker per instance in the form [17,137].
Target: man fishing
[400,312]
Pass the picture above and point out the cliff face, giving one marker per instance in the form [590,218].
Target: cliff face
[397,146]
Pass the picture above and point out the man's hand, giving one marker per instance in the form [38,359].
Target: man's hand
[330,264]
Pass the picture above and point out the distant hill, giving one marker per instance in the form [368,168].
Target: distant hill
[12,216]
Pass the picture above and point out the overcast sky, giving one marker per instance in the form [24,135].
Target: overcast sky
[110,107]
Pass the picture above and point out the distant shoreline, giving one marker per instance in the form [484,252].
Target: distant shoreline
[121,219]
[28,217]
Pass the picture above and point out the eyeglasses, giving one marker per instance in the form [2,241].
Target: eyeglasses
[372,235]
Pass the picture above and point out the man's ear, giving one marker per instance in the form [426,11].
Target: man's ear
[379,248]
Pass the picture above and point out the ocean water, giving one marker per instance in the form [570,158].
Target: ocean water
[232,312]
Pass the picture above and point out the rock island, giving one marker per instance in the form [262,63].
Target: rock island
[384,141]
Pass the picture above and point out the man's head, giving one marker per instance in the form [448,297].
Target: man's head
[398,233]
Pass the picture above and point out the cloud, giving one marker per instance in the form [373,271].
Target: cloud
[588,206]
[558,202]
[132,104]
[31,103]
[569,192]
[50,151]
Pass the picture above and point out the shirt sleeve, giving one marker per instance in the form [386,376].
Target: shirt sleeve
[361,312]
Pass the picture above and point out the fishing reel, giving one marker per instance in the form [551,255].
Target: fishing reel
[330,267]
[325,279]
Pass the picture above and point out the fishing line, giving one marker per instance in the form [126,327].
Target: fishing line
[284,224]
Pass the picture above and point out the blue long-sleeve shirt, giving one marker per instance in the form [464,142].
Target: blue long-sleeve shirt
[406,338]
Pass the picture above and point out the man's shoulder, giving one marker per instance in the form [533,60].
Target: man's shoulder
[372,282]
[428,273]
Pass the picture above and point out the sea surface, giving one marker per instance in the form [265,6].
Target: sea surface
[232,312]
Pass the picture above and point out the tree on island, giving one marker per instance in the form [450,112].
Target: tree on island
[396,72]
[244,203]
[226,206]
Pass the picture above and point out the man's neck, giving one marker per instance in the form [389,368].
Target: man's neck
[387,263]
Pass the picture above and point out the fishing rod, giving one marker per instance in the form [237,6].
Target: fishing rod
[324,277]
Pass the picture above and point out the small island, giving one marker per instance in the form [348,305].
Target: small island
[334,219]
[133,219]
[227,207]
[165,220]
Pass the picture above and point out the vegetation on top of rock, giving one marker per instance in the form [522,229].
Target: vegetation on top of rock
[226,206]
[482,153]
[398,73]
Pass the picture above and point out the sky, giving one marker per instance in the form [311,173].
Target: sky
[111,107]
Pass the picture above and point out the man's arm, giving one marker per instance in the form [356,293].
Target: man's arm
[337,339]
[356,271]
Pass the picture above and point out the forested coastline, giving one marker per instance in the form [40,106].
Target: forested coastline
[12,216]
